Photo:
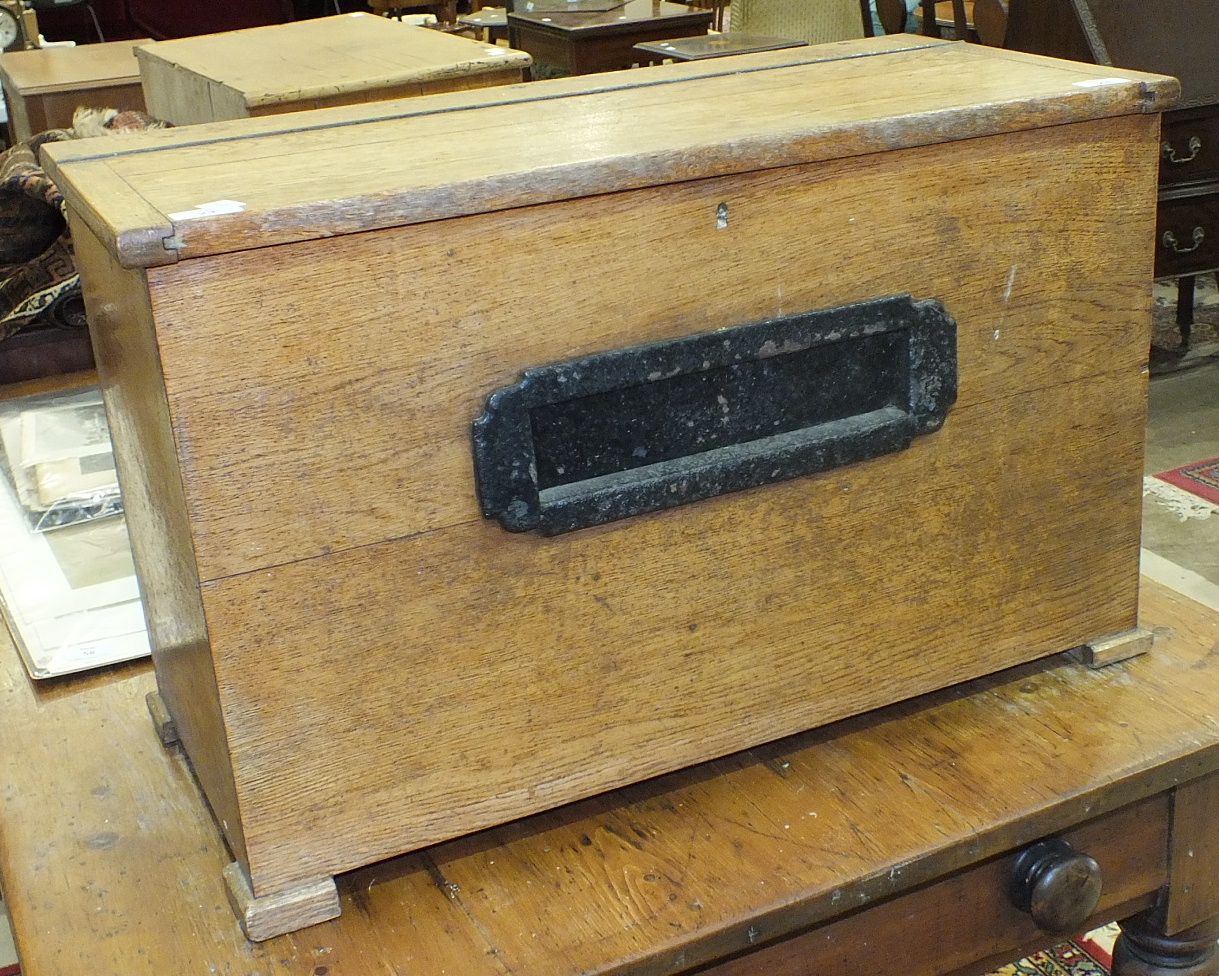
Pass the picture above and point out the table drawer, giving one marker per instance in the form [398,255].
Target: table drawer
[1187,235]
[1189,146]
[917,933]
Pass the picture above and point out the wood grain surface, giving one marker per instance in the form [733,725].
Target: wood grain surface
[103,830]
[395,695]
[1195,859]
[387,670]
[921,927]
[307,64]
[340,415]
[534,149]
[125,347]
[71,69]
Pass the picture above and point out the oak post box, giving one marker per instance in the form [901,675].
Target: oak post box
[489,450]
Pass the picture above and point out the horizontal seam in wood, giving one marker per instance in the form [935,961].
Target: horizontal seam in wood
[395,540]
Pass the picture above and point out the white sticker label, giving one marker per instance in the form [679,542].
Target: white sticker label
[1097,82]
[213,209]
[78,655]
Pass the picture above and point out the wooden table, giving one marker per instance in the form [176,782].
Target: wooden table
[44,87]
[581,43]
[344,60]
[760,862]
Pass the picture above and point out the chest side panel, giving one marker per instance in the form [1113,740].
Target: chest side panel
[128,361]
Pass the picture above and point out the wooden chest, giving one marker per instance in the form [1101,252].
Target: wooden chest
[319,63]
[487,451]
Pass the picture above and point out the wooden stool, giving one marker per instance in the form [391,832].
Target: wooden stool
[492,22]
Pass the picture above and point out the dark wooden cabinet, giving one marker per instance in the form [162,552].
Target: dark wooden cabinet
[1177,38]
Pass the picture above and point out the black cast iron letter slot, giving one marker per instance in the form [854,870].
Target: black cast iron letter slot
[621,433]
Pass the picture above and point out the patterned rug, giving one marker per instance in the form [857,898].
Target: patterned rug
[1200,478]
[1088,956]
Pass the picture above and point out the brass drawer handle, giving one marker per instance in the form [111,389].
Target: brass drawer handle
[1169,240]
[1194,146]
[1057,885]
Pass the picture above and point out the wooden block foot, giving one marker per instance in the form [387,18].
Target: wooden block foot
[1114,648]
[167,732]
[272,915]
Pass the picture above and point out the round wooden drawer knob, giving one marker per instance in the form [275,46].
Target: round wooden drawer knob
[1057,885]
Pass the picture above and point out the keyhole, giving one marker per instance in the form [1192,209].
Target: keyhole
[721,217]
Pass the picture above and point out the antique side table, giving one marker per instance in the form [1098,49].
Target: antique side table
[883,844]
[583,43]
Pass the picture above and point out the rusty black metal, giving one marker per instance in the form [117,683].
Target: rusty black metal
[621,433]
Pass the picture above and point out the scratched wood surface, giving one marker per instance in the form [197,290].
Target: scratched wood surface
[921,927]
[342,60]
[529,144]
[102,830]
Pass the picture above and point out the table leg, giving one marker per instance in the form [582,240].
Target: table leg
[1144,950]
[1185,308]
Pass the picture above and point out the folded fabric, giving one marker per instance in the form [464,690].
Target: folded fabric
[38,280]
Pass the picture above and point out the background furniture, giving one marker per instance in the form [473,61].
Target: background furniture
[47,6]
[445,11]
[44,351]
[160,19]
[44,87]
[345,60]
[1175,38]
[933,17]
[584,43]
[815,22]
[712,46]
[881,845]
[490,22]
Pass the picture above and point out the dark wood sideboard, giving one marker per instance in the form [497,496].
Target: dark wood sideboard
[1177,38]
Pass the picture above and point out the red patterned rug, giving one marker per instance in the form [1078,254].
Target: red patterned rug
[1081,957]
[1200,478]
